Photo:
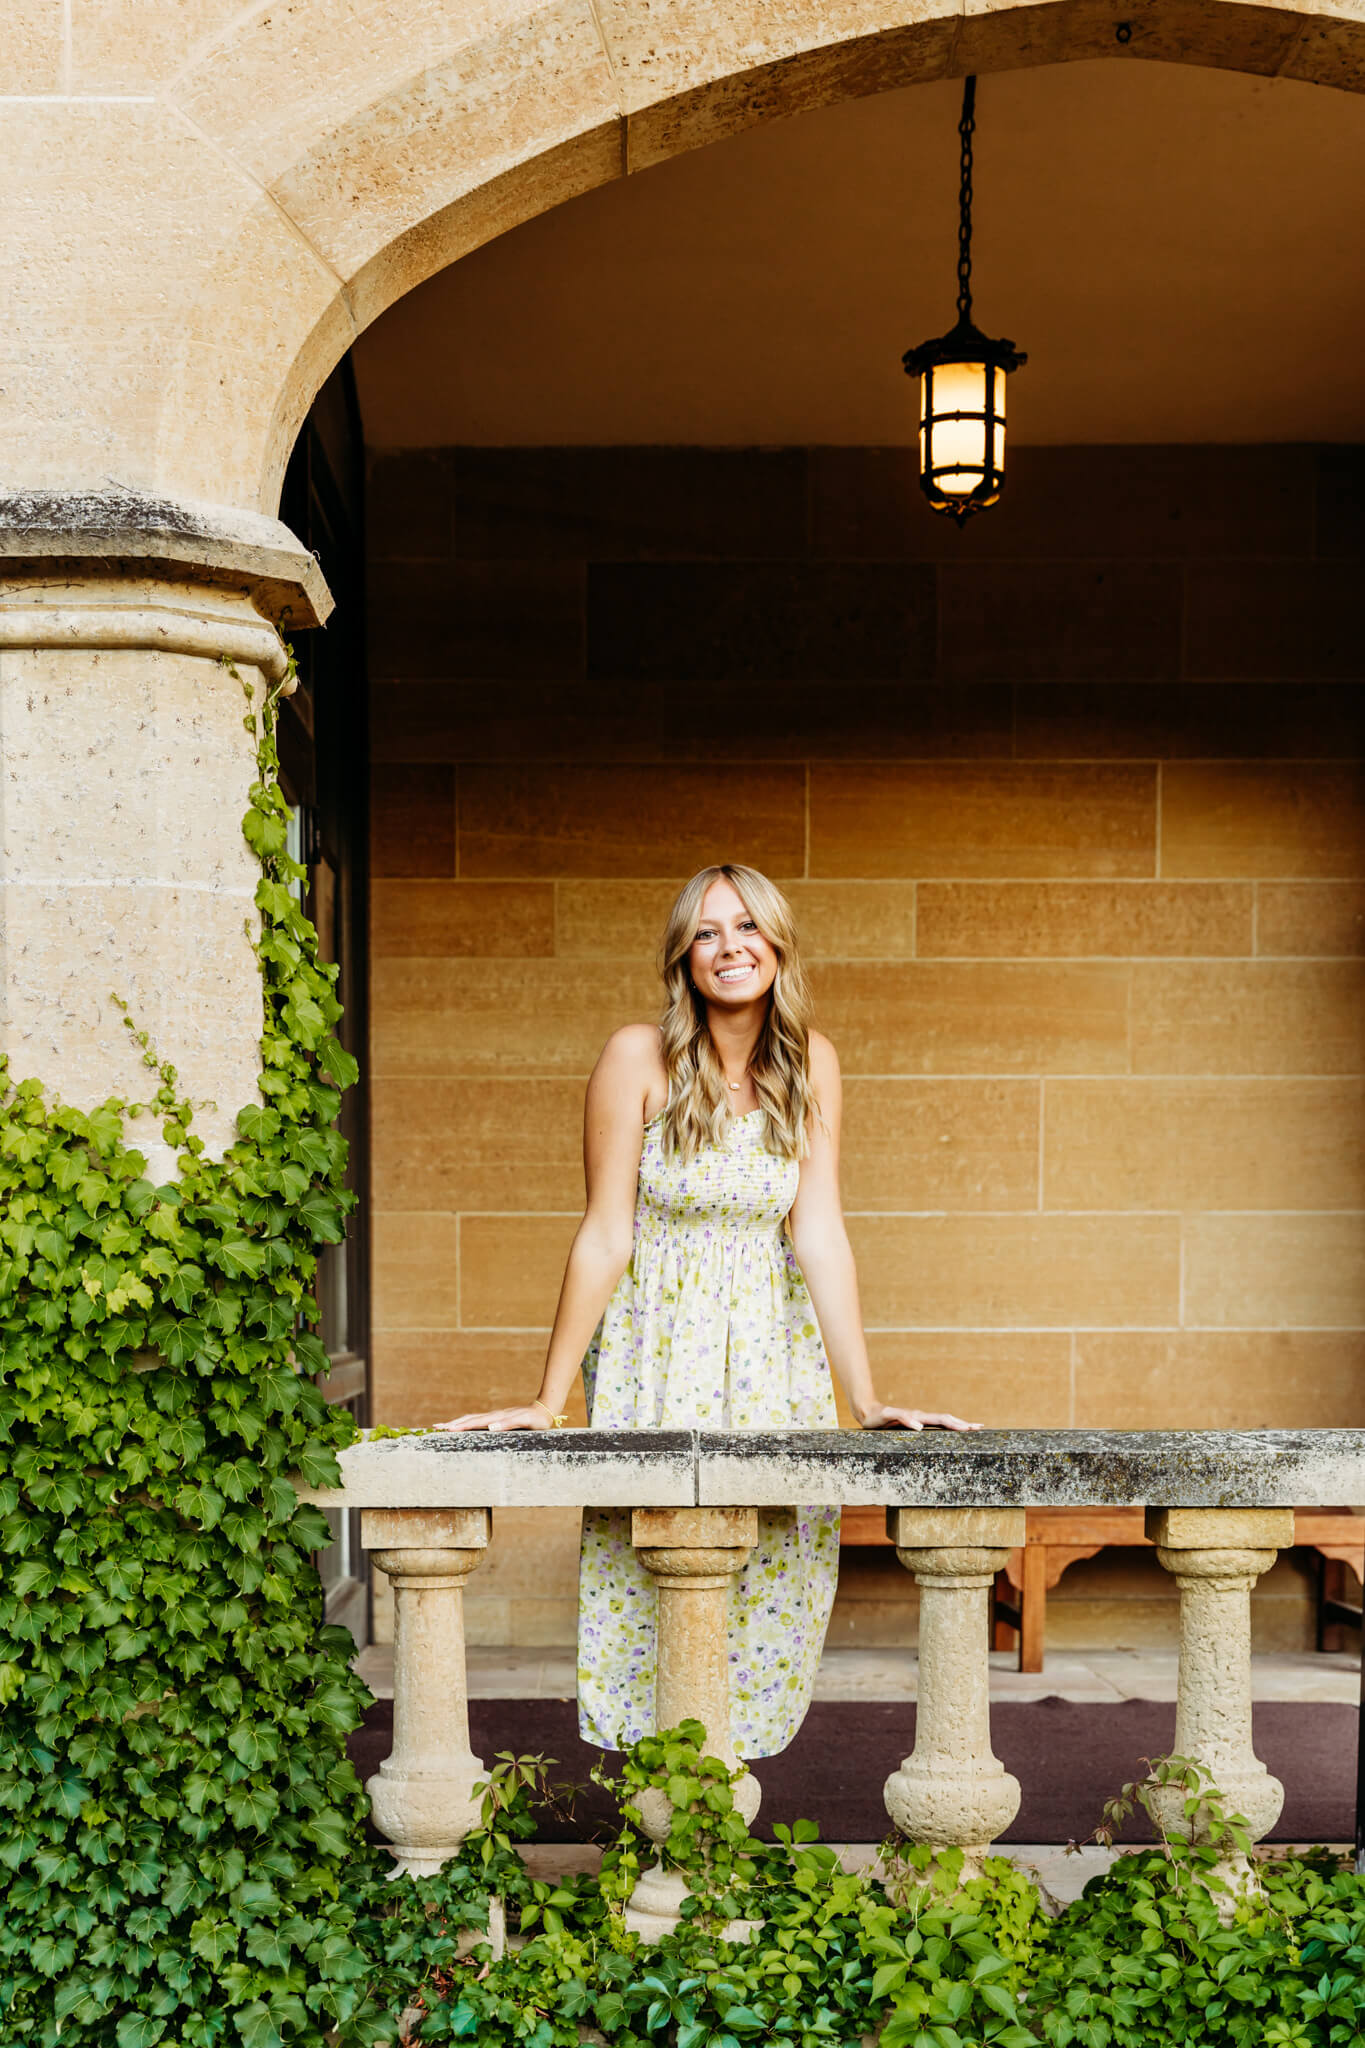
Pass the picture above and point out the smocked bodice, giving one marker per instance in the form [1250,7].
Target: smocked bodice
[735,1187]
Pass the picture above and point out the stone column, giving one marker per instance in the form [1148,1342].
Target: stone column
[1216,1556]
[953,1791]
[692,1554]
[125,773]
[423,1793]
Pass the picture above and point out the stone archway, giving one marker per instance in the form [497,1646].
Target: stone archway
[208,215]
[506,125]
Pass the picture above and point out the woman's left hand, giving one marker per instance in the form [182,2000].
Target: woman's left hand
[879,1416]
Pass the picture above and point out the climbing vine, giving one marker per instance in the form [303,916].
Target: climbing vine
[177,1810]
[1157,1953]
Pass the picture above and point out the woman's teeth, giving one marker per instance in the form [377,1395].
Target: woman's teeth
[732,973]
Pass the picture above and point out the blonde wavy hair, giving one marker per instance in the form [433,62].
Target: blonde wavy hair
[698,1108]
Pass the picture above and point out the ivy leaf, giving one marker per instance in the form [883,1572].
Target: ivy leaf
[318,1150]
[224,1869]
[213,1941]
[264,834]
[322,1215]
[336,1062]
[181,1889]
[257,1124]
[330,1830]
[254,1743]
[186,1284]
[241,1257]
[318,1465]
[104,1129]
[125,1642]
[62,1492]
[225,1693]
[272,1315]
[139,2030]
[279,1499]
[334,1704]
[200,1503]
[52,1954]
[51,1245]
[178,1341]
[35,1575]
[269,1946]
[183,1439]
[253,1806]
[257,2028]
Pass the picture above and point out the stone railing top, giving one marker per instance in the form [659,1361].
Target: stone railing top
[892,1468]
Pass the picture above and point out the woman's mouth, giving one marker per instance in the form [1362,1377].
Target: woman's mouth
[732,974]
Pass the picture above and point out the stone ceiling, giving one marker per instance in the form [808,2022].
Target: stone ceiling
[1179,250]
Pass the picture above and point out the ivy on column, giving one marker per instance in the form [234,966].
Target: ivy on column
[177,1811]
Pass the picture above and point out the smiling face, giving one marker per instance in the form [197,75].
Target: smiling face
[730,961]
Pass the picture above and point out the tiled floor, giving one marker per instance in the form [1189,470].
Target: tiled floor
[496,1673]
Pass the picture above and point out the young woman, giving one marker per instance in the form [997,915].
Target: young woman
[711,1285]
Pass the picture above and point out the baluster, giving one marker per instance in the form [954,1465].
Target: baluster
[692,1554]
[1216,1556]
[953,1791]
[422,1795]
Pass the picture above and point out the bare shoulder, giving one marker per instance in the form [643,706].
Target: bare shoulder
[635,1047]
[824,1063]
[630,1062]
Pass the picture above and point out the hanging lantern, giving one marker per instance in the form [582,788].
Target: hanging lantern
[962,381]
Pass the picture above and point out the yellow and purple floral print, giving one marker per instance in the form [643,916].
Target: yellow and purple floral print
[710,1327]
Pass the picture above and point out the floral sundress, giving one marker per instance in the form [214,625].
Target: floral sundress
[710,1327]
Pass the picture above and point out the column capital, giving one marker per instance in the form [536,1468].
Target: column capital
[694,1528]
[943,1567]
[956,1528]
[1221,1529]
[48,537]
[425,1528]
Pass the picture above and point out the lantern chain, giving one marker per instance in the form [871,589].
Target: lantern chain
[966,128]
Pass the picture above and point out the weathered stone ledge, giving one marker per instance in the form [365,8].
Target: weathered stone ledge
[49,535]
[1016,1468]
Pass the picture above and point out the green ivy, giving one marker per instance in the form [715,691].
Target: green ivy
[177,1811]
[1155,1954]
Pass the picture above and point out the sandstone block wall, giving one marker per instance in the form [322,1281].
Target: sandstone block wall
[1071,809]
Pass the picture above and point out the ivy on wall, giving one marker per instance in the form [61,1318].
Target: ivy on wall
[177,1810]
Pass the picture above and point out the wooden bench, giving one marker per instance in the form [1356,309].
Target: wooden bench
[1058,1537]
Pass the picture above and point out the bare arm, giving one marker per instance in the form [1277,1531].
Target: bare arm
[613,1131]
[825,1257]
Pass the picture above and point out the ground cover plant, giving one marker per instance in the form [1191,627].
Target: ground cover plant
[1158,1952]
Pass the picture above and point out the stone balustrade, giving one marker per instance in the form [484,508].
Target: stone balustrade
[1219,1507]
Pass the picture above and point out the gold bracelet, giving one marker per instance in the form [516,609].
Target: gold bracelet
[556,1421]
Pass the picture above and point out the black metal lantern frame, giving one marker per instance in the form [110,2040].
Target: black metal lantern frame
[964,344]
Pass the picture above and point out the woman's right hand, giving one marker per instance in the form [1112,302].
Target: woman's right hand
[532,1416]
